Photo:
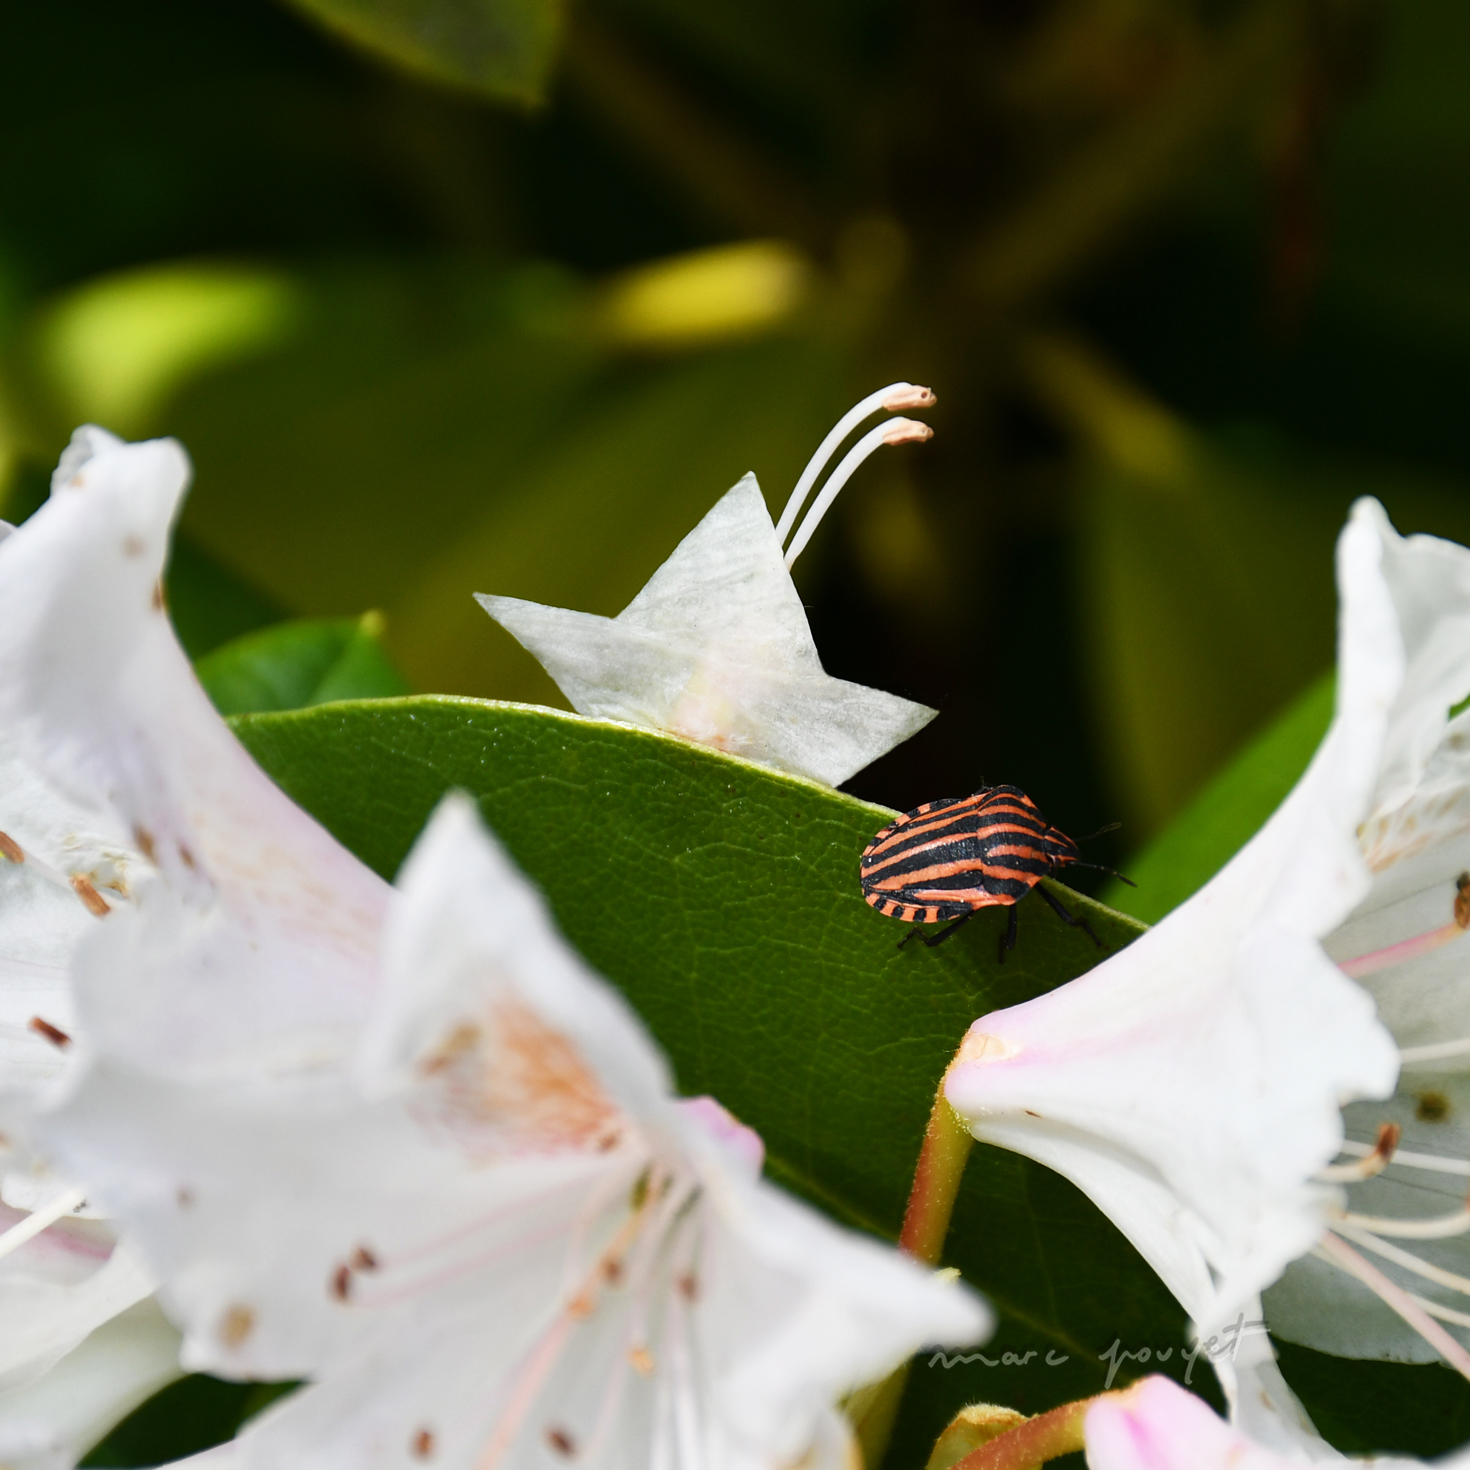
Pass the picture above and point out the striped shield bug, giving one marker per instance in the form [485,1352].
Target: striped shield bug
[946,860]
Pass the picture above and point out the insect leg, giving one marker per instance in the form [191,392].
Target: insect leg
[1070,918]
[1008,939]
[929,941]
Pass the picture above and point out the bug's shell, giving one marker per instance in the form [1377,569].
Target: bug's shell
[947,858]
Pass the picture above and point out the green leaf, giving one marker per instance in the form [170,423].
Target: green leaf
[503,48]
[298,664]
[1228,812]
[722,897]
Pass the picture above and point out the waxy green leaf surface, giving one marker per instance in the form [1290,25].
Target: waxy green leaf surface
[723,899]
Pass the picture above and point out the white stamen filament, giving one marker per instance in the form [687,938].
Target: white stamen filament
[895,398]
[38,1220]
[577,1306]
[1409,1262]
[1369,1164]
[1441,1227]
[1337,1252]
[1435,1050]
[1409,1160]
[895,431]
[1444,1314]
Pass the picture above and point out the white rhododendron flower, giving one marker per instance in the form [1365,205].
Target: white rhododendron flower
[1209,1060]
[492,1237]
[1191,1085]
[717,647]
[116,777]
[1407,1224]
[1156,1425]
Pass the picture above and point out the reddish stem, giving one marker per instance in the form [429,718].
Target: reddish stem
[1033,1443]
[937,1176]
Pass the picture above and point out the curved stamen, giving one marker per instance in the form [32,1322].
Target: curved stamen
[1405,1259]
[1435,1050]
[896,431]
[1337,1252]
[1440,1227]
[1404,1158]
[38,1220]
[1402,952]
[1444,1314]
[1421,944]
[1370,1164]
[895,398]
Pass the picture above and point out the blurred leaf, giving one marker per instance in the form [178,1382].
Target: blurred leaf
[207,603]
[723,898]
[298,664]
[194,1414]
[114,349]
[503,48]
[1228,812]
[1401,233]
[706,296]
[589,517]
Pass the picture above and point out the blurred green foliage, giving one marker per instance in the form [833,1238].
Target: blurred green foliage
[297,664]
[1188,276]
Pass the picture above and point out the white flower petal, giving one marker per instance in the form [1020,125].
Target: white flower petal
[498,1228]
[1211,1056]
[100,700]
[717,648]
[58,1418]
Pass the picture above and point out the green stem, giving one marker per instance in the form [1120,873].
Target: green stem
[1033,1443]
[937,1176]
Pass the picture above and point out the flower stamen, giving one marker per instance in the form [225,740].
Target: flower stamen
[1440,1227]
[898,431]
[1406,1259]
[37,1221]
[1337,1252]
[1421,944]
[1374,1162]
[895,398]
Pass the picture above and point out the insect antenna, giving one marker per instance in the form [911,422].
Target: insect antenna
[1111,827]
[1112,872]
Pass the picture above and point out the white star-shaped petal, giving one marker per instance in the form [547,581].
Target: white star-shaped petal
[717,647]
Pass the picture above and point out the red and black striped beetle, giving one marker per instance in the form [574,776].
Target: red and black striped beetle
[948,859]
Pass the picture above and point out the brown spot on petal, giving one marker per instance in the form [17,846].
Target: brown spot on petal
[341,1283]
[54,1034]
[144,838]
[236,1325]
[1432,1107]
[612,1271]
[133,546]
[1462,900]
[185,1196]
[159,601]
[688,1285]
[187,858]
[421,1446]
[10,849]
[642,1361]
[364,1260]
[561,1441]
[94,901]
